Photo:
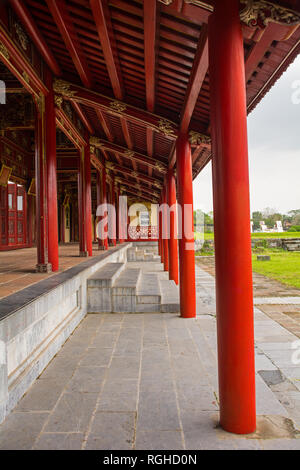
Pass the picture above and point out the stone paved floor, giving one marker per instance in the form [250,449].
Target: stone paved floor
[17,267]
[149,381]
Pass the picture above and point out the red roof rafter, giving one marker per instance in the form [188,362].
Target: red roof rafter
[197,77]
[83,117]
[103,103]
[150,51]
[130,155]
[105,31]
[36,36]
[61,16]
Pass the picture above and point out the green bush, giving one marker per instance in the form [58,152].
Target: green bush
[294,228]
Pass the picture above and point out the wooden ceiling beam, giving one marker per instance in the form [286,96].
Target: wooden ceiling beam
[102,19]
[197,77]
[105,125]
[115,107]
[60,13]
[83,117]
[29,24]
[150,54]
[129,154]
[134,174]
[150,32]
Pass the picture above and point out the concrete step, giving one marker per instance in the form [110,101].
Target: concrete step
[99,287]
[123,292]
[170,302]
[148,290]
[106,276]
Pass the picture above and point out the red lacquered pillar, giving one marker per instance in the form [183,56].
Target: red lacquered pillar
[114,218]
[88,198]
[165,230]
[161,245]
[186,243]
[173,244]
[81,206]
[234,290]
[104,202]
[41,188]
[51,175]
[99,202]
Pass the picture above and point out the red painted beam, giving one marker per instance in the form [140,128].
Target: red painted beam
[83,117]
[105,125]
[150,27]
[133,156]
[19,65]
[60,13]
[260,48]
[102,19]
[139,176]
[36,36]
[117,108]
[197,78]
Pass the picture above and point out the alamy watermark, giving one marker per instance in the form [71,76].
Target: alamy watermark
[137,221]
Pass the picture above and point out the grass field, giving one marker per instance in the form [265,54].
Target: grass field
[284,267]
[210,236]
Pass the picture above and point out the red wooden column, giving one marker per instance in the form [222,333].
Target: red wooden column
[165,230]
[104,201]
[51,174]
[160,217]
[186,243]
[113,203]
[41,188]
[173,243]
[82,205]
[232,209]
[88,198]
[99,202]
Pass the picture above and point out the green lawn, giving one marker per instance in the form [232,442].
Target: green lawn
[276,235]
[284,267]
[210,236]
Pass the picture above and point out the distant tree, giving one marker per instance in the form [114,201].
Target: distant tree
[256,217]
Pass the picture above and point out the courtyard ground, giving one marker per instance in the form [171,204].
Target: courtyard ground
[149,381]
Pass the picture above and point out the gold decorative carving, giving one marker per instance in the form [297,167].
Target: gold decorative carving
[92,149]
[196,138]
[134,174]
[63,88]
[95,141]
[199,3]
[158,185]
[166,128]
[4,51]
[160,167]
[166,2]
[58,100]
[40,102]
[129,153]
[261,12]
[26,77]
[21,36]
[117,106]
[110,165]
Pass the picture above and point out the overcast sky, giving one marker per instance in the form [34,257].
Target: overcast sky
[274,150]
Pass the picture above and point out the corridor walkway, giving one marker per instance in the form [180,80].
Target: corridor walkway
[149,381]
[17,267]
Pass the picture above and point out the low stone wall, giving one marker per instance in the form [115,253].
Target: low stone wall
[36,322]
[289,244]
